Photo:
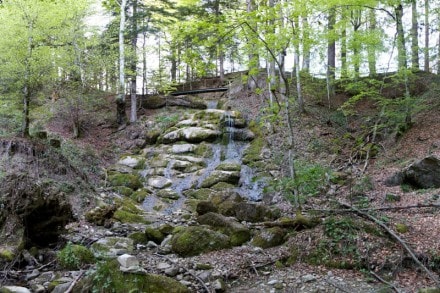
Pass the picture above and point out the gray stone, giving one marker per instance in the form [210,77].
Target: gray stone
[171,272]
[129,162]
[219,286]
[183,148]
[32,275]
[127,260]
[111,247]
[422,174]
[159,182]
[308,278]
[163,266]
[14,289]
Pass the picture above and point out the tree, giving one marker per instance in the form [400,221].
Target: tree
[32,44]
[121,116]
[414,37]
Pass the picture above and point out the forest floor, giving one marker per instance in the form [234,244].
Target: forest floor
[320,139]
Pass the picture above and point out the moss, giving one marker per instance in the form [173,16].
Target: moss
[203,150]
[140,195]
[108,278]
[429,290]
[253,153]
[401,228]
[199,194]
[74,256]
[203,266]
[128,212]
[229,167]
[154,235]
[138,238]
[221,176]
[194,240]
[222,186]
[269,238]
[6,254]
[166,229]
[123,190]
[127,180]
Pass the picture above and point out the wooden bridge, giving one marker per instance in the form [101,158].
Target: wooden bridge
[200,91]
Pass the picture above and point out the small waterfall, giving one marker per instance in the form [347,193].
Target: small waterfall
[229,126]
[212,104]
[211,163]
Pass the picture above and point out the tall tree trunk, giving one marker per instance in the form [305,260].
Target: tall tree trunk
[253,58]
[426,49]
[121,116]
[356,20]
[331,52]
[306,44]
[414,37]
[371,49]
[344,68]
[144,63]
[401,49]
[133,85]
[27,85]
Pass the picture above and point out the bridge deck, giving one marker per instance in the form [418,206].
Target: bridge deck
[200,91]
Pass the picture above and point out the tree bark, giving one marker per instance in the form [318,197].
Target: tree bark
[331,52]
[401,50]
[426,49]
[27,86]
[414,37]
[306,45]
[371,48]
[133,85]
[121,116]
[253,57]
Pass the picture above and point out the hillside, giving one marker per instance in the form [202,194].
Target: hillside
[184,172]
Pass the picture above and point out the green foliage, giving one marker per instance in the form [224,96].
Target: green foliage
[74,257]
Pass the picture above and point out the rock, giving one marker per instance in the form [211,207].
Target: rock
[217,176]
[272,282]
[163,266]
[308,278]
[127,260]
[159,182]
[269,237]
[205,275]
[151,244]
[14,289]
[193,240]
[61,288]
[127,180]
[171,272]
[237,232]
[219,286]
[250,212]
[183,148]
[154,234]
[422,174]
[111,277]
[132,162]
[241,134]
[101,215]
[205,206]
[38,288]
[191,134]
[228,166]
[168,194]
[111,247]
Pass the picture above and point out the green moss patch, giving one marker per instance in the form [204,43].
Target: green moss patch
[127,180]
[74,256]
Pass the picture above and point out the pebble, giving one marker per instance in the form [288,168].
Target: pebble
[35,273]
[308,278]
[185,283]
[272,282]
[163,266]
[171,272]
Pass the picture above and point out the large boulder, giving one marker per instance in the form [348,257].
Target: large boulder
[238,233]
[191,134]
[269,237]
[217,176]
[421,174]
[194,240]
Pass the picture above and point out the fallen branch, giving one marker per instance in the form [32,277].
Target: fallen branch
[400,240]
[385,282]
[375,209]
[81,273]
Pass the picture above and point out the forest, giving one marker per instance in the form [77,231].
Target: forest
[219,146]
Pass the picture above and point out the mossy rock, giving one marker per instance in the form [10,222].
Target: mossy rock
[6,254]
[205,206]
[166,229]
[110,247]
[129,212]
[269,237]
[199,194]
[203,150]
[238,233]
[221,186]
[229,167]
[231,177]
[251,212]
[429,290]
[123,190]
[140,195]
[253,153]
[127,180]
[154,235]
[101,215]
[109,276]
[168,194]
[151,136]
[74,256]
[154,102]
[195,240]
[138,238]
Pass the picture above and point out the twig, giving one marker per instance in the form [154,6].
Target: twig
[400,240]
[186,270]
[74,282]
[374,209]
[385,282]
